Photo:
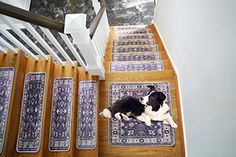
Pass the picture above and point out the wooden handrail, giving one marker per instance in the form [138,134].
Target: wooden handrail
[30,17]
[44,21]
[97,19]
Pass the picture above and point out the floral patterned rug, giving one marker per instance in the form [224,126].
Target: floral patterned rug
[86,122]
[134,132]
[133,42]
[61,115]
[135,48]
[29,133]
[135,57]
[136,66]
[6,80]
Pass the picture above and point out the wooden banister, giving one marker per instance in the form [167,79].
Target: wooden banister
[97,19]
[30,17]
[44,21]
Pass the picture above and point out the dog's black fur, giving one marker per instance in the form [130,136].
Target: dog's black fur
[126,105]
[136,107]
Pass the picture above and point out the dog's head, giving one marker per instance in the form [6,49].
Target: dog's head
[154,98]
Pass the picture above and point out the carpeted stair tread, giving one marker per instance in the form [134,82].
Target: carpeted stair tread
[138,31]
[134,36]
[135,48]
[134,42]
[60,128]
[86,120]
[129,27]
[136,66]
[134,132]
[135,56]
[6,82]
[28,140]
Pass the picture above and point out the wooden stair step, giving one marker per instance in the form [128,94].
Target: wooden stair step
[167,65]
[107,150]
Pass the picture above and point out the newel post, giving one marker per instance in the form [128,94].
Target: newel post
[75,25]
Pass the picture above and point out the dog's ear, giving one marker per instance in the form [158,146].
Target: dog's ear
[152,88]
[162,96]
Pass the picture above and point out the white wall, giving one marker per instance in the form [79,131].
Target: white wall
[200,36]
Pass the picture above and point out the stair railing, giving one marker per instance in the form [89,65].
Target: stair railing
[38,35]
[91,41]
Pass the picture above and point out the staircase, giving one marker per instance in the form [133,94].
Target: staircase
[136,54]
[23,65]
[145,60]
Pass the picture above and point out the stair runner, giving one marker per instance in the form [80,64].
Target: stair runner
[134,49]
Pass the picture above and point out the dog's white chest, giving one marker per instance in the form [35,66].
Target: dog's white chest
[157,115]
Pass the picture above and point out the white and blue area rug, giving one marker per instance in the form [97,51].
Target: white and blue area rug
[6,80]
[137,66]
[61,115]
[29,133]
[87,112]
[134,132]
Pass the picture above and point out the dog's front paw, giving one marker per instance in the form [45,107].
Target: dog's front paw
[125,117]
[117,116]
[148,123]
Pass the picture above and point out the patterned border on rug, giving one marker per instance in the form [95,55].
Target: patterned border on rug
[29,134]
[137,66]
[87,114]
[6,82]
[134,132]
[60,127]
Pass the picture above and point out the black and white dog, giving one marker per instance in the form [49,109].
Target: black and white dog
[150,107]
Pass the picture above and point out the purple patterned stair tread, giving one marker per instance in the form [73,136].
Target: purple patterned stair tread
[129,32]
[134,132]
[136,66]
[135,48]
[6,81]
[130,27]
[29,133]
[87,112]
[133,36]
[135,57]
[134,42]
[59,139]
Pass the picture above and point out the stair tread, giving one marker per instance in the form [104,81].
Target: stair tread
[132,66]
[134,42]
